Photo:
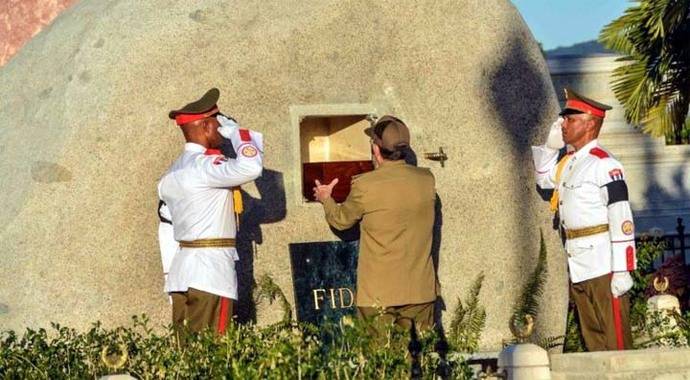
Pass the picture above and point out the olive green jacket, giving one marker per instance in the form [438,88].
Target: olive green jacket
[395,203]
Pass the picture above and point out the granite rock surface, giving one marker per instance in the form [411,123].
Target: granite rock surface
[84,137]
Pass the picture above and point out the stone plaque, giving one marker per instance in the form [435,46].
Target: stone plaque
[324,275]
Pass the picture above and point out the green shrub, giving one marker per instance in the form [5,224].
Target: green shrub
[280,351]
[658,330]
[648,250]
[285,350]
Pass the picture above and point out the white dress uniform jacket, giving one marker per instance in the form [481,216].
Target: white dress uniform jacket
[196,192]
[592,192]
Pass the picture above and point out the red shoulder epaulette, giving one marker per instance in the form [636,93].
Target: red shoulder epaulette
[599,152]
[244,135]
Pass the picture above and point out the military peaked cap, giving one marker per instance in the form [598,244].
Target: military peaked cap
[199,109]
[576,103]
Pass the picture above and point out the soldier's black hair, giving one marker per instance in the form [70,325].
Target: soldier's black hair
[399,153]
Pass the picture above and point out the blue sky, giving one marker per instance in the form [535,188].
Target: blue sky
[557,23]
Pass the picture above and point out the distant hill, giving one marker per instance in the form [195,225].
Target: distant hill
[592,47]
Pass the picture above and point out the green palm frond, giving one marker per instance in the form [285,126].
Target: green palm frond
[573,341]
[528,302]
[614,35]
[550,342]
[654,85]
[468,320]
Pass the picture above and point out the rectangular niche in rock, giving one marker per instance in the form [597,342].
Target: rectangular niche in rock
[324,275]
[333,147]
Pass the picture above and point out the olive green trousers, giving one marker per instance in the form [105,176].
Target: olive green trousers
[422,314]
[197,310]
[604,319]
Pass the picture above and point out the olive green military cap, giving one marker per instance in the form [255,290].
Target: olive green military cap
[198,109]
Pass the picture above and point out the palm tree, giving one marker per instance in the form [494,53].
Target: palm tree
[654,85]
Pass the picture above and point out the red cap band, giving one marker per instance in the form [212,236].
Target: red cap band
[184,118]
[584,107]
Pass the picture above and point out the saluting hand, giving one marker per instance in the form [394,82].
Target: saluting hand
[323,192]
[555,138]
[227,126]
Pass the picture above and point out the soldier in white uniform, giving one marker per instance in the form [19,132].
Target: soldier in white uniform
[196,190]
[591,201]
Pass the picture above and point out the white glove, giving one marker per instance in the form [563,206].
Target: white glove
[555,139]
[227,126]
[621,282]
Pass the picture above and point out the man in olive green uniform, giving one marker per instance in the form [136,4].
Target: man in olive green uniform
[396,280]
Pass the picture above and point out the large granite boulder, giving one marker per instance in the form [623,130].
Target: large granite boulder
[85,137]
